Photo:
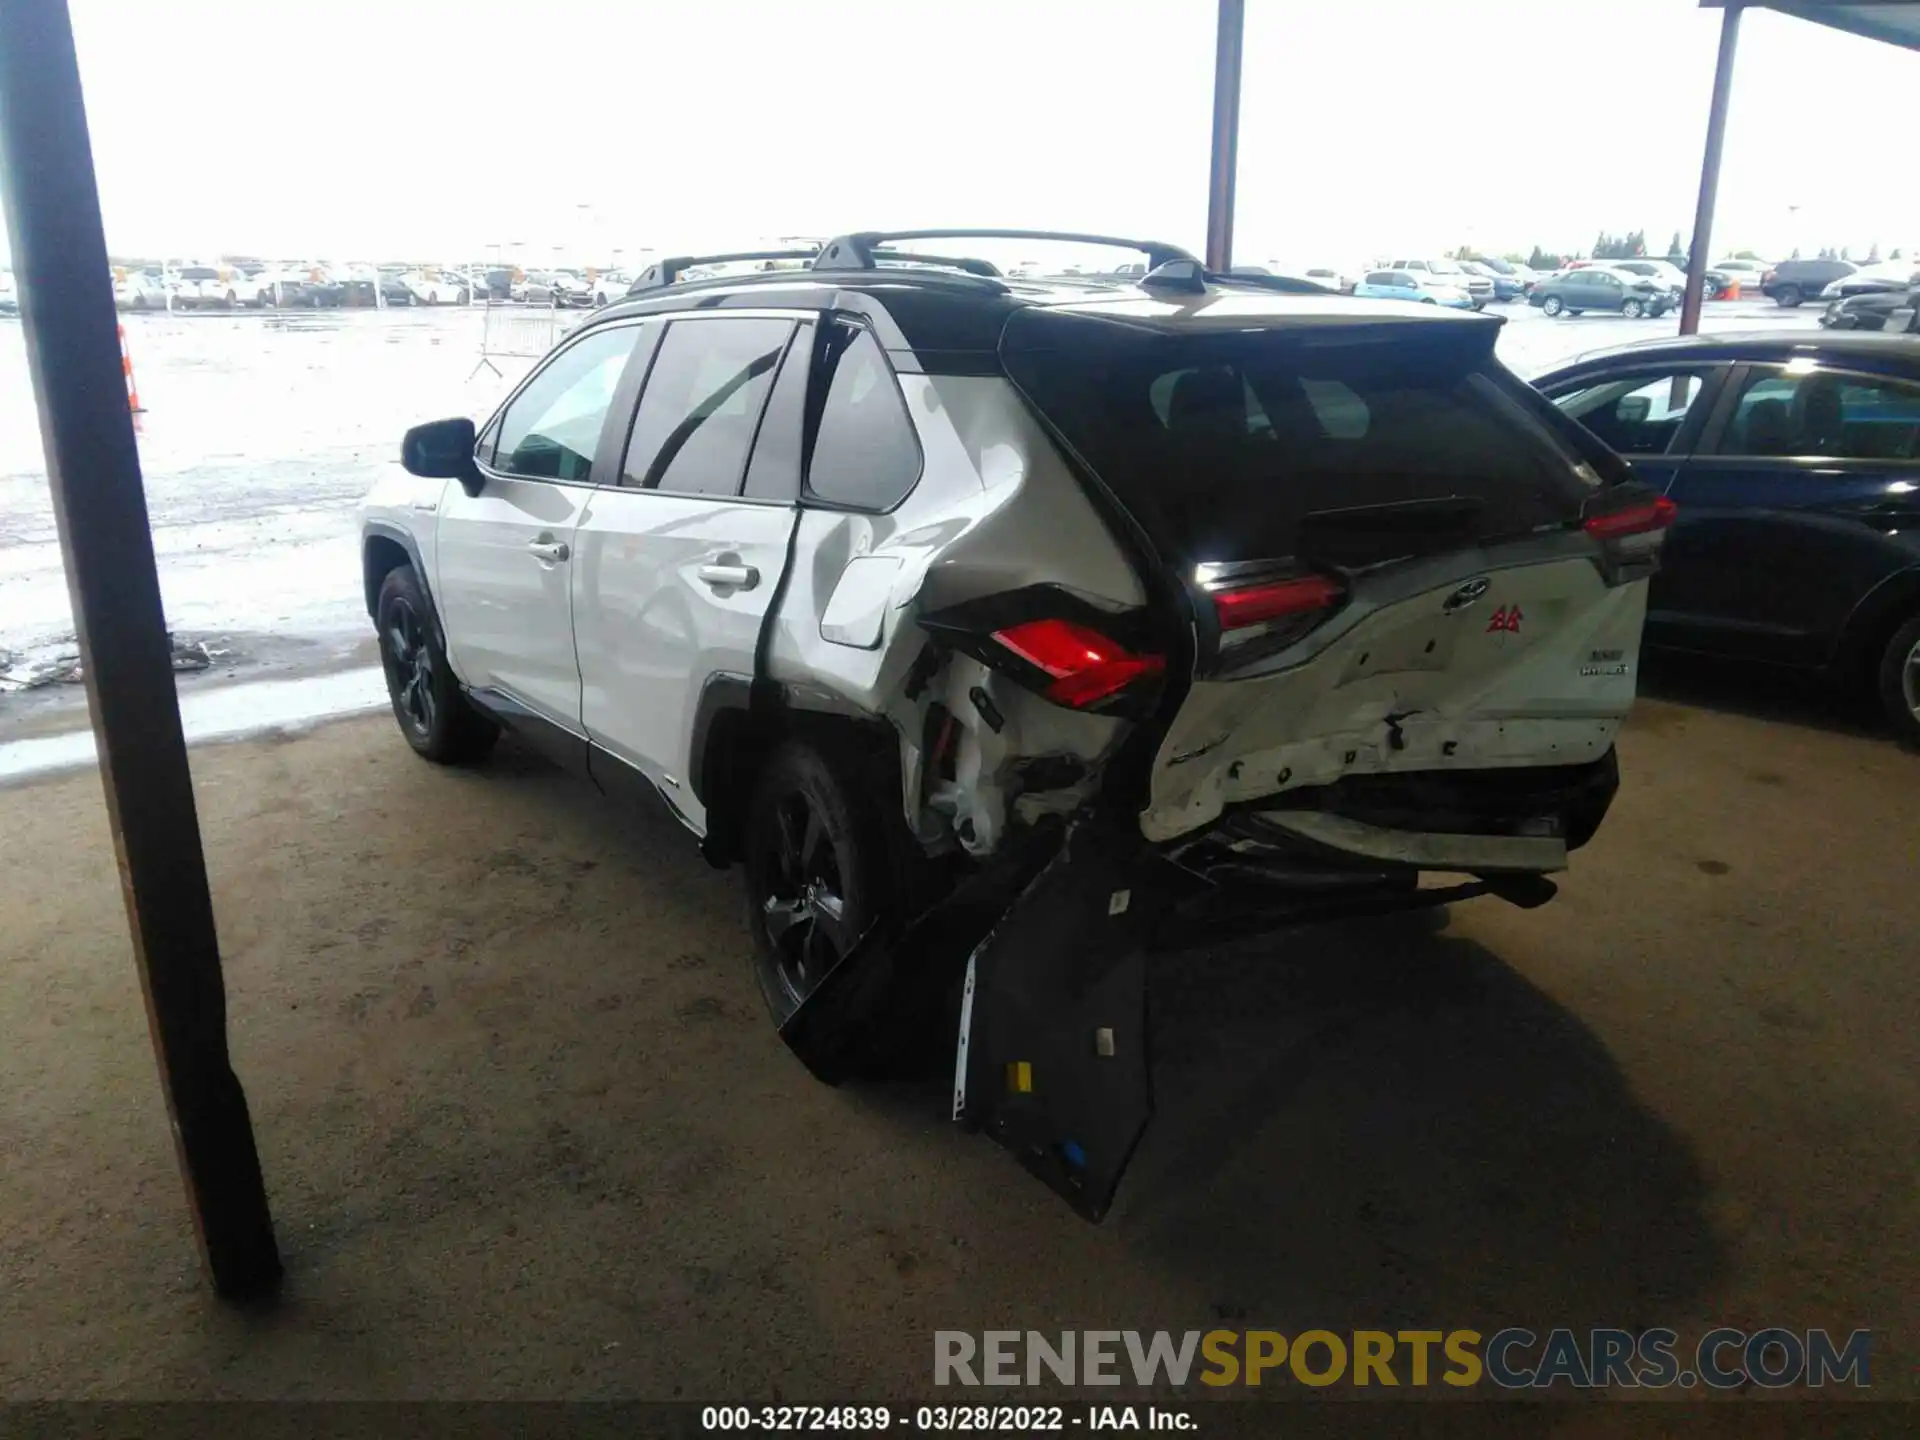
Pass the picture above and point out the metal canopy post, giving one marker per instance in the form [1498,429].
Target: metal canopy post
[1226,134]
[67,313]
[1710,173]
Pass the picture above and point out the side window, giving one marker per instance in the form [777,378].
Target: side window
[552,428]
[1822,414]
[774,471]
[865,453]
[1637,415]
[702,404]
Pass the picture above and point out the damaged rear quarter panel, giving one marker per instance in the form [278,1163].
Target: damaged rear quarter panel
[996,509]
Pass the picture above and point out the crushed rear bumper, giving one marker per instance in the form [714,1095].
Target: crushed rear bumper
[1037,964]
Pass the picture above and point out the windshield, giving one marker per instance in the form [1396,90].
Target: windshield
[1443,267]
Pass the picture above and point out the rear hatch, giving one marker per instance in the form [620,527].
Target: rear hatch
[1396,556]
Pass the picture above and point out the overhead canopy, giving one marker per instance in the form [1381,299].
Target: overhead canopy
[1897,22]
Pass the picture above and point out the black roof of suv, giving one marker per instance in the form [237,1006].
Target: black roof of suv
[949,313]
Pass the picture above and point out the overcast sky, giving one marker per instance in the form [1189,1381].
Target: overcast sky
[413,128]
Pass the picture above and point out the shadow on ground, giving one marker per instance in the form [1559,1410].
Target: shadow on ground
[1759,693]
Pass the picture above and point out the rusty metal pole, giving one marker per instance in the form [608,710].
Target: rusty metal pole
[1710,173]
[1226,134]
[100,509]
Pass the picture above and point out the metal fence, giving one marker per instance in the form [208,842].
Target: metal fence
[522,332]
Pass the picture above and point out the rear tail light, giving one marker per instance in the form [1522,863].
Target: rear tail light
[1264,615]
[1082,667]
[1630,536]
[1652,515]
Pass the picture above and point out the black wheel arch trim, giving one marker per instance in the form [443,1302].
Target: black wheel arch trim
[388,531]
[1876,615]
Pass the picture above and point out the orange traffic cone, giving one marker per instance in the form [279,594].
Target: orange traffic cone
[126,368]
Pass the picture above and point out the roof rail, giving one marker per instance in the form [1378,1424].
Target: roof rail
[663,273]
[1283,284]
[856,251]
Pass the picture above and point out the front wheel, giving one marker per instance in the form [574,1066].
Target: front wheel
[1553,305]
[1633,309]
[1900,681]
[439,722]
[1788,296]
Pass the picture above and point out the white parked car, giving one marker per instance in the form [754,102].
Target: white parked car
[138,290]
[1442,271]
[216,287]
[609,286]
[1002,631]
[438,287]
[9,296]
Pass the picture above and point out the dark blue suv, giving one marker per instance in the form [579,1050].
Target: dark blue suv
[1794,461]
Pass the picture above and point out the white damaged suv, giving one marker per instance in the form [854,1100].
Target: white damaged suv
[1004,630]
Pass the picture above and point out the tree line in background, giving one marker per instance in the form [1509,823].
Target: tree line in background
[1633,245]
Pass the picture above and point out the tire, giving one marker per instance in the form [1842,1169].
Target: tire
[824,864]
[1788,297]
[1899,682]
[232,300]
[433,297]
[1553,305]
[438,721]
[1632,309]
[462,298]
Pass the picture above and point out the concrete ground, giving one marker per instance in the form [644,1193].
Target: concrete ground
[528,1133]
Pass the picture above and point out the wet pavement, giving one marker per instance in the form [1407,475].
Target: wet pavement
[263,430]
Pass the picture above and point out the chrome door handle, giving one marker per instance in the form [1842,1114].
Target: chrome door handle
[552,552]
[730,577]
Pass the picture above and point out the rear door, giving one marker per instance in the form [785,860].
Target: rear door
[503,557]
[681,553]
[1801,499]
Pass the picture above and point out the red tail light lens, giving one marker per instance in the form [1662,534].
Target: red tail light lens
[1655,514]
[1276,600]
[1084,666]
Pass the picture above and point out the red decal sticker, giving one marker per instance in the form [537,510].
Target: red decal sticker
[1506,618]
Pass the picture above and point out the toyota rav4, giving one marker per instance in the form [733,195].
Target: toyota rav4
[1004,630]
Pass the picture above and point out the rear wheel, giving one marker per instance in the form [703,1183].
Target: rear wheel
[1787,296]
[821,868]
[440,723]
[1900,681]
[1552,305]
[1633,309]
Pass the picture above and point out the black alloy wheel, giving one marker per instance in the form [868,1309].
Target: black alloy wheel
[436,718]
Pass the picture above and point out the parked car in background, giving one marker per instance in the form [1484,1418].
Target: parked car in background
[1414,286]
[610,285]
[1602,288]
[1747,274]
[214,287]
[9,294]
[394,289]
[1664,273]
[138,289]
[437,287]
[1505,286]
[1792,281]
[1450,272]
[1794,461]
[1875,310]
[1874,279]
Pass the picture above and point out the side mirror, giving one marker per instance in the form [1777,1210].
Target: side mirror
[443,450]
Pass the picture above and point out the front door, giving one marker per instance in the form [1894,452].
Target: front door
[678,562]
[504,556]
